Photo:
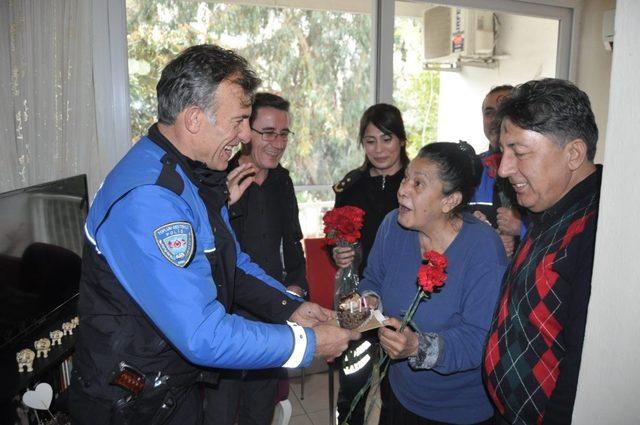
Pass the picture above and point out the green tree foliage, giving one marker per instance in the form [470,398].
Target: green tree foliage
[320,61]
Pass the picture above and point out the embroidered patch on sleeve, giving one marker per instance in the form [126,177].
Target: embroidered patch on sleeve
[175,241]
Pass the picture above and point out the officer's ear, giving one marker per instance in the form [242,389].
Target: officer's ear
[193,117]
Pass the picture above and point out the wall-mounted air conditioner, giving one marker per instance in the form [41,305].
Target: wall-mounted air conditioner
[452,33]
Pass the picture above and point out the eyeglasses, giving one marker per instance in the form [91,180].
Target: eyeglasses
[270,136]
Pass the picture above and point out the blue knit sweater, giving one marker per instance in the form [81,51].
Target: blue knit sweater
[460,313]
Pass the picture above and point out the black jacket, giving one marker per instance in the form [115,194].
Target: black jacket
[377,196]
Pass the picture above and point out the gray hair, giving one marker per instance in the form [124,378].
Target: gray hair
[193,77]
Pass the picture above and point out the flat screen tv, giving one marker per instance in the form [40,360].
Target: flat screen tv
[41,239]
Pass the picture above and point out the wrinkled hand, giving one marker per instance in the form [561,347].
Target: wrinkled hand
[331,341]
[480,216]
[398,345]
[235,183]
[509,221]
[343,256]
[311,314]
[509,243]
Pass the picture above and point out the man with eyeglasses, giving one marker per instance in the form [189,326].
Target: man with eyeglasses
[265,221]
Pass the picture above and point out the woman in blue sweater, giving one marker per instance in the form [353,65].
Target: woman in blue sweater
[435,374]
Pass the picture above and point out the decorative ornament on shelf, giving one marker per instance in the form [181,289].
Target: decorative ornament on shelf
[67,328]
[25,358]
[42,346]
[56,337]
[431,276]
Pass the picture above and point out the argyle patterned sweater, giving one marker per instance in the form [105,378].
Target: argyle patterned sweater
[532,357]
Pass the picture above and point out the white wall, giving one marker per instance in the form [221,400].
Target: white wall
[610,374]
[594,65]
[529,49]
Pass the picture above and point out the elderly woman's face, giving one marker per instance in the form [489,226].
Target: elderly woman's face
[420,196]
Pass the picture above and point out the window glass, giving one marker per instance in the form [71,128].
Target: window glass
[318,59]
[446,59]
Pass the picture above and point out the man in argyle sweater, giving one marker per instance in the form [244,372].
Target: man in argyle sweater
[548,137]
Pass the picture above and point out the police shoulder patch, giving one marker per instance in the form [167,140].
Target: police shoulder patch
[175,241]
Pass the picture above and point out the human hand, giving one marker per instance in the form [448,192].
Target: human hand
[480,216]
[296,289]
[398,345]
[235,183]
[509,221]
[372,301]
[331,341]
[343,255]
[311,314]
[509,243]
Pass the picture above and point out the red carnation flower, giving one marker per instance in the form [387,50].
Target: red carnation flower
[436,259]
[343,223]
[431,275]
[492,162]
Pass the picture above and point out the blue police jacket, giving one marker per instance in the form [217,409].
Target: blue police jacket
[486,200]
[156,243]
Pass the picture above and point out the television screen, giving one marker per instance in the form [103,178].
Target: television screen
[41,239]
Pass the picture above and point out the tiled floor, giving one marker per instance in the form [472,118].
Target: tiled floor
[314,408]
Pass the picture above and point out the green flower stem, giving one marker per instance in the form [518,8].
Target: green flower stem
[412,309]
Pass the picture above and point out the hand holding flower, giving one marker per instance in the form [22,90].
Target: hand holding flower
[398,345]
[509,221]
[343,256]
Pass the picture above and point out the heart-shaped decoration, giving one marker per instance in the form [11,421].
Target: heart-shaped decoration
[40,398]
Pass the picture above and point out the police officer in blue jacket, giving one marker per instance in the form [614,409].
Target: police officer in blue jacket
[162,266]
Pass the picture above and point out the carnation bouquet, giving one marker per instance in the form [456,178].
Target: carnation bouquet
[342,228]
[431,276]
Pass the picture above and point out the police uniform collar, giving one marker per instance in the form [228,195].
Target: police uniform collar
[197,171]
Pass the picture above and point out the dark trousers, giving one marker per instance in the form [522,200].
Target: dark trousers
[249,397]
[394,413]
[350,384]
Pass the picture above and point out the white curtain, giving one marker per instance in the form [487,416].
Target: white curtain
[48,102]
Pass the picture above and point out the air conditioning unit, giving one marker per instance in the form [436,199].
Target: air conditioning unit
[452,33]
